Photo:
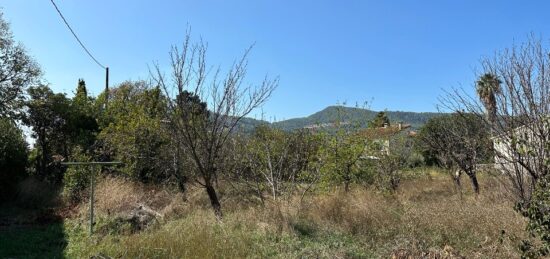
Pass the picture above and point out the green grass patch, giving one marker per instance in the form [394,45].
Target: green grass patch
[33,241]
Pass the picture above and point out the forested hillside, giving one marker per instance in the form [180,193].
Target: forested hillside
[351,114]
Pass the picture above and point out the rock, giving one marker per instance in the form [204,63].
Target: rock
[142,217]
[139,218]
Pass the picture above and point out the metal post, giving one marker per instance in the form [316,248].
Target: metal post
[92,201]
[94,166]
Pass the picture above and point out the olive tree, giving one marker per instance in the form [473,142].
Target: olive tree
[344,147]
[458,140]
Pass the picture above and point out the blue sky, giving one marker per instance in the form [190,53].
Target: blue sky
[399,54]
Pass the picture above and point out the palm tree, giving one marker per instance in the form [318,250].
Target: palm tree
[487,87]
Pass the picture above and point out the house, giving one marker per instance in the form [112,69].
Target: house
[524,149]
[382,137]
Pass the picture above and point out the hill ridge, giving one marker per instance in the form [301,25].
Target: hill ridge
[333,113]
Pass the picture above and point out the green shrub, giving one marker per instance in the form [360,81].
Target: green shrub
[415,160]
[539,220]
[77,178]
[33,193]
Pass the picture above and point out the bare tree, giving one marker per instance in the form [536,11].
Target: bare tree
[206,107]
[520,113]
[272,163]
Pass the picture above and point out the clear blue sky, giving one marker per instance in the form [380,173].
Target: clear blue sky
[398,53]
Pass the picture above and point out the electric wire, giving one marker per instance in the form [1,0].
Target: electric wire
[76,37]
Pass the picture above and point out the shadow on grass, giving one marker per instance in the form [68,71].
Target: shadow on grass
[31,226]
[33,241]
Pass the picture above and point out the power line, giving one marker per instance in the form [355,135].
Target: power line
[76,37]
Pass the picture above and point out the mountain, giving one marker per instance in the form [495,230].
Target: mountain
[354,115]
[344,114]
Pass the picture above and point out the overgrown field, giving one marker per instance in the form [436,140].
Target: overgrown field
[427,216]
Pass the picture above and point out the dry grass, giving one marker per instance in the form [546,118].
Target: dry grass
[116,196]
[427,216]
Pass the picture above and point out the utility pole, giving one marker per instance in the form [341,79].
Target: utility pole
[106,86]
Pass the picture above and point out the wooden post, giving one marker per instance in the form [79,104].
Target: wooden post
[107,79]
[106,86]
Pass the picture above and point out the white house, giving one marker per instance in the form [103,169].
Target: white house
[525,149]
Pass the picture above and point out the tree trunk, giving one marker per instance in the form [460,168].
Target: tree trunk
[347,179]
[213,196]
[43,159]
[394,181]
[181,186]
[456,178]
[475,183]
[458,184]
[346,186]
[182,181]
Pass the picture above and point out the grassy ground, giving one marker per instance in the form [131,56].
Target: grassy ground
[31,226]
[425,219]
[35,241]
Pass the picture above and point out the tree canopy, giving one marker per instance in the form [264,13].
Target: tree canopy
[18,71]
